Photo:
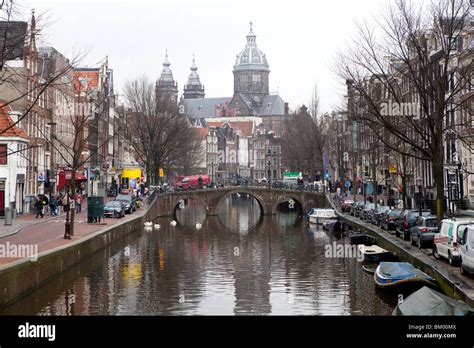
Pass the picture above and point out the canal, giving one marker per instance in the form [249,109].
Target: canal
[238,263]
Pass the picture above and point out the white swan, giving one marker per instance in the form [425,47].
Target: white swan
[173,223]
[238,194]
[148,224]
[198,226]
[157,226]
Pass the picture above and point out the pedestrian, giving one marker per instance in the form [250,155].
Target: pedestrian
[59,199]
[78,201]
[390,202]
[53,204]
[65,206]
[39,206]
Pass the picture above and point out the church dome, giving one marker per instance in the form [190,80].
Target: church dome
[251,58]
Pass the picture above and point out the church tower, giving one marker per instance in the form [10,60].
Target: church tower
[251,72]
[166,85]
[193,88]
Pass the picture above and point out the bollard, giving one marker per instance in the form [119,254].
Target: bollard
[8,217]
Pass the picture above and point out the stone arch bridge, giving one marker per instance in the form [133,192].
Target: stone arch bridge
[268,198]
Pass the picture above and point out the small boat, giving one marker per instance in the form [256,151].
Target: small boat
[173,223]
[331,225]
[374,253]
[148,224]
[362,238]
[395,274]
[427,301]
[318,216]
[369,270]
[157,226]
[198,226]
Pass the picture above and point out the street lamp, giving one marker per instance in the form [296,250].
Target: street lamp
[68,176]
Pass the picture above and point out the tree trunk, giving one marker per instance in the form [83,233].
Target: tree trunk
[439,181]
[72,211]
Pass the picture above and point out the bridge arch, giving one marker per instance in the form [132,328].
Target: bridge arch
[298,203]
[176,202]
[251,193]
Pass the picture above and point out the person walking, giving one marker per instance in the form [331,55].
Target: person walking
[78,201]
[65,206]
[39,206]
[59,199]
[53,204]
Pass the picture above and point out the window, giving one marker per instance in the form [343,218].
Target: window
[256,78]
[3,154]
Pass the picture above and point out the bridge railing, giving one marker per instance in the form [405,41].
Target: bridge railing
[251,185]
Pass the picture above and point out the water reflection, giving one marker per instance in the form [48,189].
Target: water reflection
[238,264]
[240,212]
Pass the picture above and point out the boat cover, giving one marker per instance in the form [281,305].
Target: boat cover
[427,301]
[401,270]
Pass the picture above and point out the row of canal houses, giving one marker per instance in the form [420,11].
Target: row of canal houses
[42,93]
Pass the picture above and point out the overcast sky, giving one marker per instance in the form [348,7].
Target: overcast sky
[299,37]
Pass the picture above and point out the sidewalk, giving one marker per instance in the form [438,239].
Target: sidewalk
[48,233]
[23,221]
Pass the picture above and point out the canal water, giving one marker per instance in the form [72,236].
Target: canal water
[238,263]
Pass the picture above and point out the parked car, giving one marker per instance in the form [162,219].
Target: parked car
[446,240]
[388,220]
[364,215]
[346,205]
[130,202]
[407,220]
[424,231]
[114,209]
[466,250]
[356,208]
[377,213]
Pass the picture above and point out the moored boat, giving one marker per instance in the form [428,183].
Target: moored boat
[319,216]
[374,253]
[395,274]
[362,238]
[427,301]
[331,225]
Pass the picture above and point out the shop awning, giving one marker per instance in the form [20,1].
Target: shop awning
[62,179]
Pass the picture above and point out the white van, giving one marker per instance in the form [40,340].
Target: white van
[446,240]
[466,250]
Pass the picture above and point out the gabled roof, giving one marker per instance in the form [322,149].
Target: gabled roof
[272,105]
[245,128]
[6,121]
[201,132]
[203,107]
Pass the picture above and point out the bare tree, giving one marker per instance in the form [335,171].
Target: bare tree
[411,59]
[314,103]
[303,143]
[160,135]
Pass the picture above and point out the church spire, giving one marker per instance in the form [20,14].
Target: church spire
[166,84]
[251,37]
[193,88]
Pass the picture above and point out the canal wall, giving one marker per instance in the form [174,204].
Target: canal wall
[449,282]
[21,277]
